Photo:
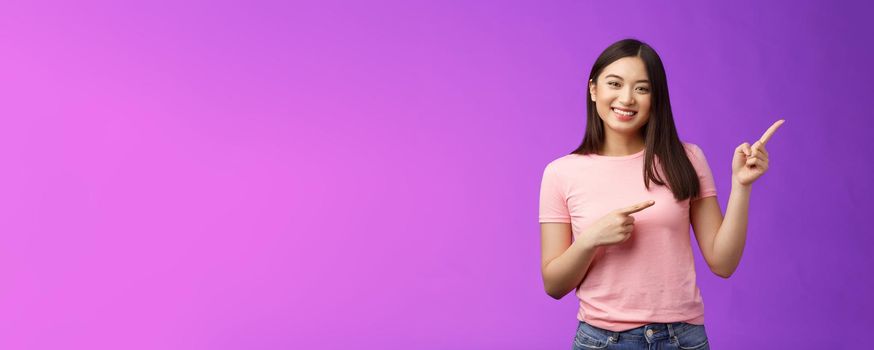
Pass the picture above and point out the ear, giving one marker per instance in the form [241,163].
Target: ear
[592,89]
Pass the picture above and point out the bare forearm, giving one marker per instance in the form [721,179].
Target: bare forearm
[728,246]
[566,272]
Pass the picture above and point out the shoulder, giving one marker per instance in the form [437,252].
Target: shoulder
[696,157]
[558,169]
[561,164]
[693,151]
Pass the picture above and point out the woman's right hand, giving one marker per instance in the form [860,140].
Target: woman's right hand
[615,227]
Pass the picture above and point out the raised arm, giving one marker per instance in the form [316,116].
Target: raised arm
[722,240]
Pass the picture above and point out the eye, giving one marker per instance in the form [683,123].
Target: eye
[643,89]
[613,83]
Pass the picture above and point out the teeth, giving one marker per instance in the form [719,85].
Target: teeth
[623,112]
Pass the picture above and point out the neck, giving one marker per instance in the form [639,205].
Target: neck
[617,145]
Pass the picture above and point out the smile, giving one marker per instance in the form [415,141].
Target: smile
[625,113]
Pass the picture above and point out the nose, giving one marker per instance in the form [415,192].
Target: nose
[626,97]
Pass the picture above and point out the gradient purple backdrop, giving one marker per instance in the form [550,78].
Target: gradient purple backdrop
[336,175]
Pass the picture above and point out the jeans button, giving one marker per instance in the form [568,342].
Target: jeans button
[649,332]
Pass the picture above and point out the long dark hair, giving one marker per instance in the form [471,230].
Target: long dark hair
[660,134]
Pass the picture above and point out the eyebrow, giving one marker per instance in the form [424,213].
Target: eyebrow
[620,78]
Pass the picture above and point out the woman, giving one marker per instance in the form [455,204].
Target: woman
[627,197]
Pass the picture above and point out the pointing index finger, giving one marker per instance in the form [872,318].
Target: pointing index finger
[770,132]
[636,208]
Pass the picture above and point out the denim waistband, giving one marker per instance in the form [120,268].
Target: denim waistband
[652,331]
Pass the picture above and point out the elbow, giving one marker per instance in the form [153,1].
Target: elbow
[554,293]
[721,269]
[549,288]
[722,273]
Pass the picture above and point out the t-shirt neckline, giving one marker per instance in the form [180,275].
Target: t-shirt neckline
[630,156]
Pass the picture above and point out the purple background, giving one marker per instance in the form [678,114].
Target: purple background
[335,175]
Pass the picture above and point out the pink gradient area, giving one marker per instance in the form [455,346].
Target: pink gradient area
[338,174]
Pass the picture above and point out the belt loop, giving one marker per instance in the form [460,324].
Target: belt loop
[670,330]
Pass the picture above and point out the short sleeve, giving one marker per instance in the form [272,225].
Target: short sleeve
[705,176]
[553,201]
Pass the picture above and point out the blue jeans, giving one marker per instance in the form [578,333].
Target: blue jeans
[654,336]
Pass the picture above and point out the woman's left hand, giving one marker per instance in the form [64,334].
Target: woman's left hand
[750,162]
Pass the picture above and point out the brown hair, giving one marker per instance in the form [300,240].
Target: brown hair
[660,134]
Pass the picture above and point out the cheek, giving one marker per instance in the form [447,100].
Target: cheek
[604,109]
[646,101]
[644,111]
[645,107]
[644,115]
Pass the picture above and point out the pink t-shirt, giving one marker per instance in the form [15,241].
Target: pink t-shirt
[650,278]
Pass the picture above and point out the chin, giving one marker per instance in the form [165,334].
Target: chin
[624,128]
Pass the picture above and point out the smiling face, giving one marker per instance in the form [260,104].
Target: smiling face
[622,96]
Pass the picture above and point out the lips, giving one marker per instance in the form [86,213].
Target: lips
[623,115]
[622,111]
